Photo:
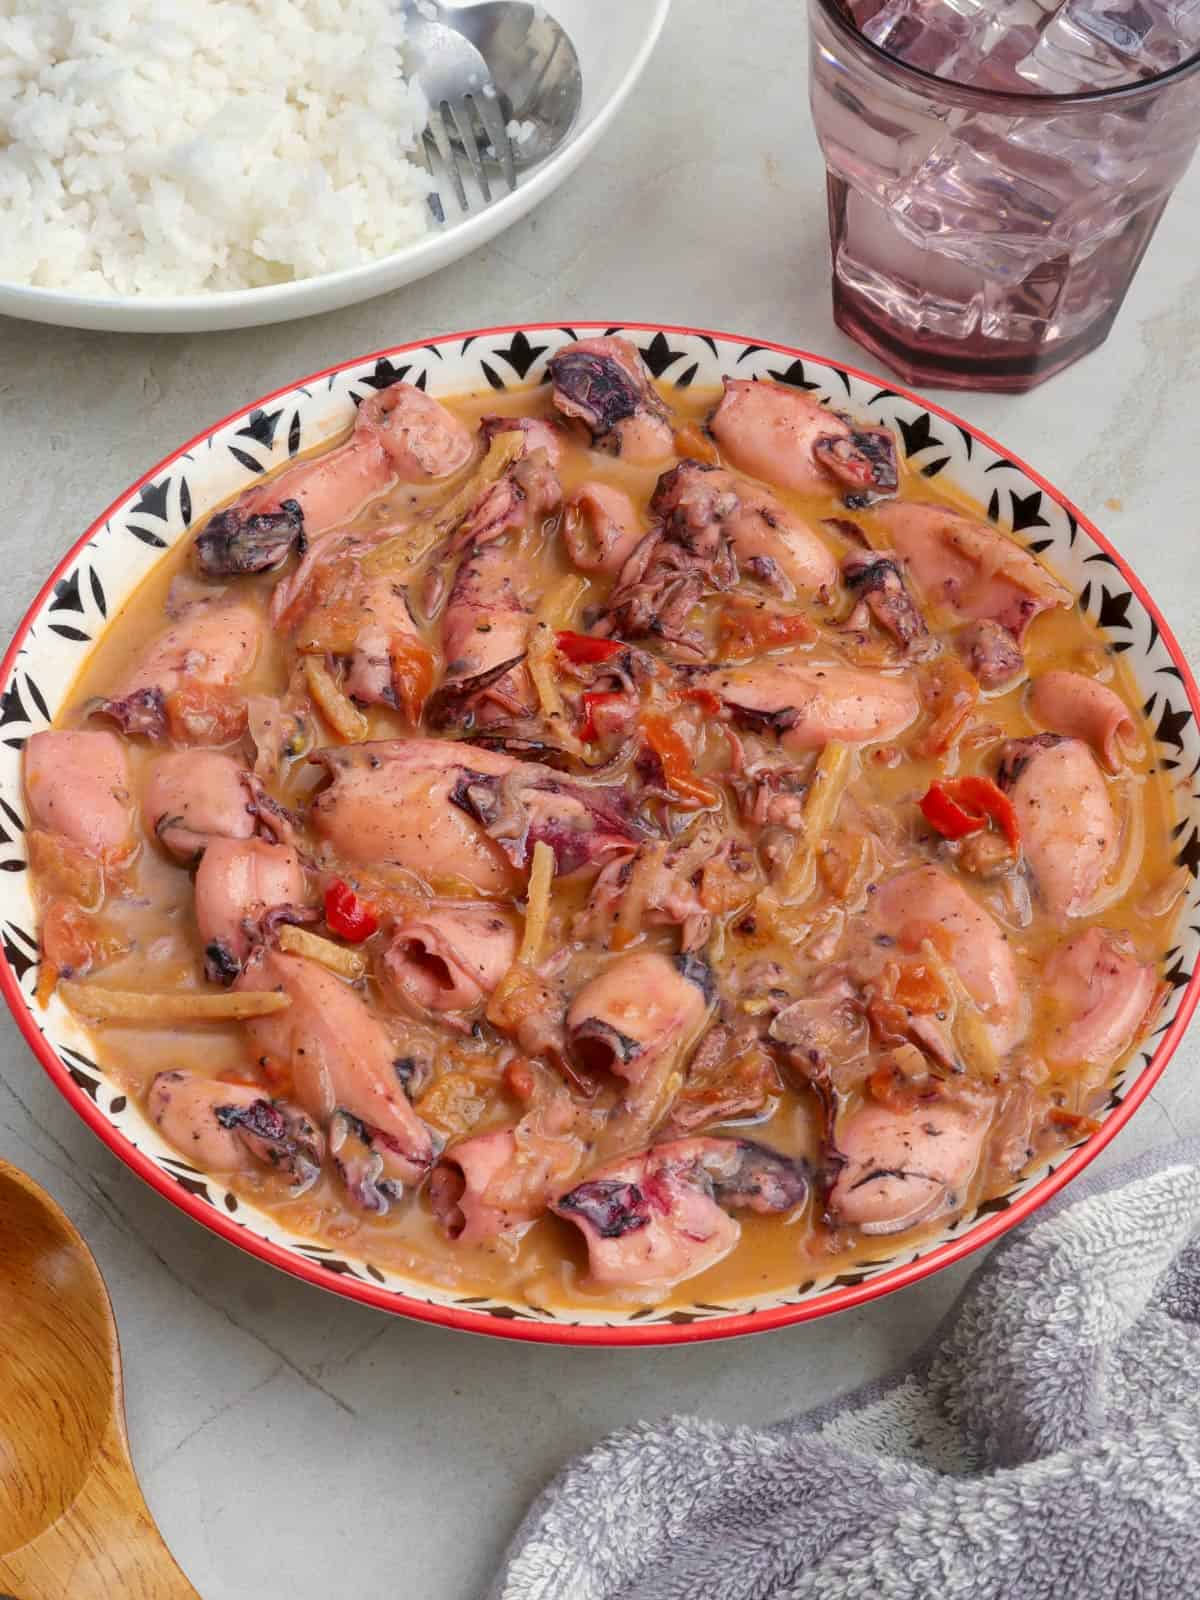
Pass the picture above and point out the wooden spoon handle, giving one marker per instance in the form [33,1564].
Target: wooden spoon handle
[105,1544]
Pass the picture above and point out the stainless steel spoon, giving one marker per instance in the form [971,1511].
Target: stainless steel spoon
[534,66]
[483,69]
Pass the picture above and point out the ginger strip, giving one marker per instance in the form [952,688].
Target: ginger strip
[336,958]
[969,1025]
[556,613]
[833,771]
[521,990]
[537,905]
[339,711]
[124,1005]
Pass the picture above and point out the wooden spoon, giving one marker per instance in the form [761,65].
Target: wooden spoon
[73,1524]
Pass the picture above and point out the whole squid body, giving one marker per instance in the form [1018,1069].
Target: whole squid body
[446,957]
[652,1219]
[340,1058]
[210,646]
[485,638]
[78,784]
[787,438]
[465,815]
[400,435]
[603,385]
[1068,826]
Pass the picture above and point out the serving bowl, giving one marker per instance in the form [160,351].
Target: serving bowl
[104,567]
[613,43]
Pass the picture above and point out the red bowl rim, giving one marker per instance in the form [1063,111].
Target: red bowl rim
[647,1333]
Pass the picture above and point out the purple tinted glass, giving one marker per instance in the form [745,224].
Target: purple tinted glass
[984,237]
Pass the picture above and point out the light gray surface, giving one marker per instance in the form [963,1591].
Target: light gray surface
[290,1443]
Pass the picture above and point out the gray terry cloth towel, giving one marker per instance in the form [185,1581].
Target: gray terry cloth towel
[1044,1446]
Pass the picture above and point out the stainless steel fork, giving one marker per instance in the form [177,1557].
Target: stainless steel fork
[465,112]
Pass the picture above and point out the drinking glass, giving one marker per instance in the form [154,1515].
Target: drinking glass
[985,239]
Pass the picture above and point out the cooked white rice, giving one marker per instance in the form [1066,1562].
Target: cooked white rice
[174,146]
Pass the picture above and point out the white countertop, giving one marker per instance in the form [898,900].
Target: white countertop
[292,1444]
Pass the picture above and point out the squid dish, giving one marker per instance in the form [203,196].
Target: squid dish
[596,845]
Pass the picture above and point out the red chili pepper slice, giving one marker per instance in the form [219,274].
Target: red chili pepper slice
[412,675]
[584,647]
[705,699]
[960,806]
[676,760]
[588,731]
[943,813]
[750,628]
[981,794]
[348,916]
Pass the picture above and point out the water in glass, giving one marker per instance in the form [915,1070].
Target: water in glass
[984,228]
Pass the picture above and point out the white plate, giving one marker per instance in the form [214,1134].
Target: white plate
[613,41]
